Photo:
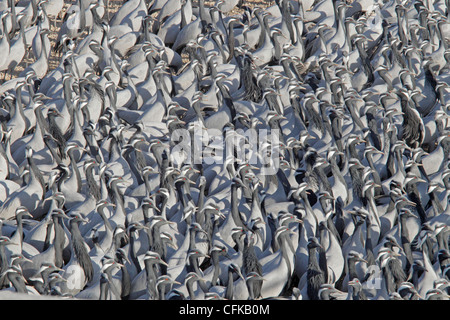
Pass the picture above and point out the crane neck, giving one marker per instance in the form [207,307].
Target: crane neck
[111,284]
[93,187]
[58,241]
[285,246]
[162,292]
[229,290]
[101,212]
[352,269]
[263,34]
[250,286]
[356,293]
[403,229]
[181,190]
[216,272]
[19,230]
[150,271]
[82,6]
[194,265]
[18,110]
[235,206]
[36,177]
[47,237]
[313,262]
[18,283]
[389,279]
[75,230]
[3,259]
[126,283]
[133,254]
[75,170]
[12,6]
[190,289]
[231,41]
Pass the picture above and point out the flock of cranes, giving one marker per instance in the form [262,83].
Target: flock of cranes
[96,204]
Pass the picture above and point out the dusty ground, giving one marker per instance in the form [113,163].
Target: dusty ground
[113,6]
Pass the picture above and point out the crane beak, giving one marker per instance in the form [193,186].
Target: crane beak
[29,215]
[27,260]
[240,275]
[49,198]
[59,114]
[411,203]
[65,216]
[44,97]
[203,231]
[363,260]
[164,263]
[126,259]
[173,245]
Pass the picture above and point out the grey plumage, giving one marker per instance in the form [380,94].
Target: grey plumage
[165,139]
